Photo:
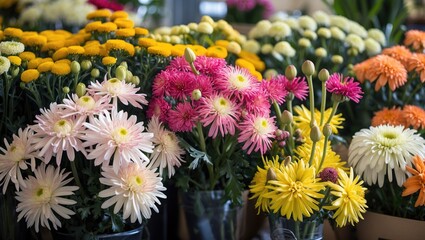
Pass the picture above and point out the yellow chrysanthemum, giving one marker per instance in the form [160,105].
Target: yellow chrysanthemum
[100,13]
[34,40]
[125,32]
[198,50]
[331,159]
[295,191]
[222,43]
[259,183]
[15,60]
[257,75]
[107,27]
[303,117]
[141,31]
[147,42]
[118,14]
[241,62]
[108,61]
[29,75]
[124,23]
[12,32]
[33,63]
[61,68]
[119,45]
[61,53]
[45,67]
[92,26]
[217,52]
[92,50]
[350,202]
[53,45]
[160,50]
[177,50]
[27,56]
[76,50]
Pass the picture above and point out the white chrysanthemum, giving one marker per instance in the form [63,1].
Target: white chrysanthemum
[340,22]
[321,18]
[377,151]
[304,42]
[55,134]
[372,47]
[167,152]
[251,46]
[279,30]
[43,196]
[266,48]
[76,12]
[321,52]
[205,27]
[357,29]
[4,64]
[284,48]
[292,22]
[310,34]
[11,47]
[115,135]
[134,188]
[307,22]
[260,29]
[15,158]
[30,14]
[355,41]
[85,105]
[337,33]
[378,35]
[324,33]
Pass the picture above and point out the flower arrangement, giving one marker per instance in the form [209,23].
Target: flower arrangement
[395,129]
[250,11]
[302,178]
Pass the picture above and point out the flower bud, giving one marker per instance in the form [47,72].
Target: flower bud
[121,72]
[290,72]
[65,90]
[315,134]
[337,59]
[282,144]
[271,175]
[287,160]
[128,76]
[196,94]
[75,67]
[308,68]
[80,89]
[135,80]
[124,64]
[189,55]
[15,72]
[278,133]
[86,64]
[327,130]
[290,96]
[95,73]
[353,51]
[287,117]
[234,47]
[329,174]
[269,73]
[323,75]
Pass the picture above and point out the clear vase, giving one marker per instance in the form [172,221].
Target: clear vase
[133,234]
[208,216]
[282,228]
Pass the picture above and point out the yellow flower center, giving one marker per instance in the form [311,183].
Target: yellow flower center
[17,153]
[135,184]
[62,128]
[113,85]
[43,194]
[296,188]
[121,135]
[221,105]
[240,82]
[261,125]
[86,102]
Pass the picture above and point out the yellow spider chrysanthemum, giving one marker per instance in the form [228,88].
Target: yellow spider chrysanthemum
[295,191]
[350,202]
[331,159]
[259,183]
[303,117]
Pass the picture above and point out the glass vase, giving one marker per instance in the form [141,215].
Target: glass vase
[282,228]
[133,234]
[208,216]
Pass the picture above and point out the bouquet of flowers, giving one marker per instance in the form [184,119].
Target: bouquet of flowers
[302,178]
[389,151]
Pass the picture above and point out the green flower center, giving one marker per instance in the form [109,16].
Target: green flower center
[62,128]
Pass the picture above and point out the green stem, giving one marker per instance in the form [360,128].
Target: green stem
[278,114]
[290,128]
[313,152]
[323,103]
[322,160]
[76,177]
[334,108]
[203,147]
[311,95]
[412,94]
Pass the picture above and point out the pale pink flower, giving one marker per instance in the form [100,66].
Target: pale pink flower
[167,152]
[158,107]
[15,157]
[257,133]
[183,118]
[117,89]
[220,113]
[43,196]
[258,104]
[238,82]
[85,105]
[55,134]
[114,134]
[134,188]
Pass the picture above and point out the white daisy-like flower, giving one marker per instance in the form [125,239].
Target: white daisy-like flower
[54,134]
[15,157]
[114,134]
[354,40]
[43,196]
[134,188]
[117,89]
[4,64]
[167,152]
[378,151]
[85,105]
[11,47]
[238,82]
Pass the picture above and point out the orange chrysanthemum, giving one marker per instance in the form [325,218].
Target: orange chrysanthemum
[415,116]
[391,116]
[417,63]
[361,68]
[386,70]
[399,52]
[415,39]
[416,182]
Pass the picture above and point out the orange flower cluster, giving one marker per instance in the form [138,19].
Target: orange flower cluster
[408,116]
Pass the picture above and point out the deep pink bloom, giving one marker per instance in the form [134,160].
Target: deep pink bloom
[204,84]
[209,66]
[161,84]
[158,107]
[275,89]
[220,113]
[257,133]
[181,85]
[237,82]
[183,118]
[345,87]
[179,64]
[298,86]
[258,104]
[109,4]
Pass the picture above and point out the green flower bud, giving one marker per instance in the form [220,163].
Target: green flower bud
[124,64]
[129,76]
[15,72]
[269,73]
[290,72]
[323,75]
[121,72]
[339,98]
[65,90]
[189,55]
[287,117]
[196,94]
[353,51]
[337,59]
[315,134]
[327,130]
[135,80]
[290,96]
[81,89]
[86,64]
[95,73]
[271,175]
[75,67]
[287,160]
[308,68]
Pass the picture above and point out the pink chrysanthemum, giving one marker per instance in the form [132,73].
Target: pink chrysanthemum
[183,118]
[158,107]
[54,134]
[85,105]
[180,64]
[167,152]
[204,84]
[297,86]
[114,134]
[258,104]
[238,82]
[161,84]
[117,89]
[181,85]
[209,66]
[275,89]
[345,87]
[15,158]
[257,132]
[220,114]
